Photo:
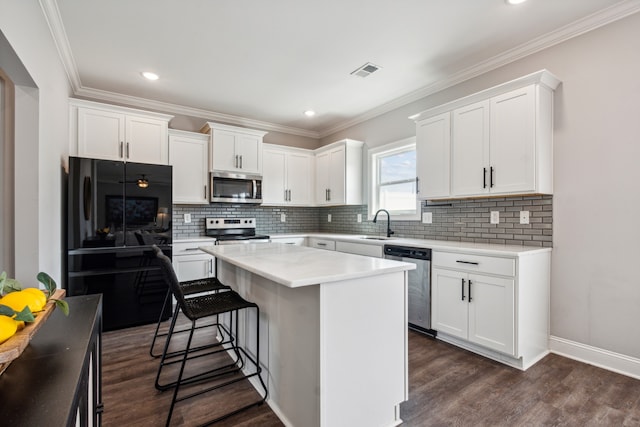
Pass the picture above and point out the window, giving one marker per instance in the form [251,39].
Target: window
[392,172]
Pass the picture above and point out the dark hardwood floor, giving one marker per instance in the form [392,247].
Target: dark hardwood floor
[447,387]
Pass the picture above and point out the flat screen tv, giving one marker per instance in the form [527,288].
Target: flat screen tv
[137,210]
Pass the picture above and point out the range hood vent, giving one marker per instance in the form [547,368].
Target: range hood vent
[365,70]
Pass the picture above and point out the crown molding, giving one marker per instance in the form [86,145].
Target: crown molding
[52,16]
[207,115]
[582,26]
[606,16]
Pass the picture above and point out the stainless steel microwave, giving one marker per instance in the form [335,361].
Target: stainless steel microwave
[227,187]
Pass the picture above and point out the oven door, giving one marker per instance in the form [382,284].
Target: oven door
[235,188]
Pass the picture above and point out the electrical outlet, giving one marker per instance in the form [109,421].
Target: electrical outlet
[329,218]
[187,218]
[524,217]
[427,217]
[359,218]
[495,217]
[283,217]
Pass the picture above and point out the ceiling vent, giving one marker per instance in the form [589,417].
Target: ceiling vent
[365,70]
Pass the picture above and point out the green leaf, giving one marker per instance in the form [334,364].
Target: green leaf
[11,285]
[5,310]
[62,305]
[25,315]
[47,281]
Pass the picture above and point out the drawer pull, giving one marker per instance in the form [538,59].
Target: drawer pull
[321,244]
[191,249]
[468,262]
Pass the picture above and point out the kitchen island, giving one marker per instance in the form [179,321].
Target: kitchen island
[333,331]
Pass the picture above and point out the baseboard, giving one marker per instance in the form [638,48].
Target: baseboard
[605,359]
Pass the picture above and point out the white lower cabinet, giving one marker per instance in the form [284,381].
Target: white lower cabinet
[494,306]
[190,263]
[474,307]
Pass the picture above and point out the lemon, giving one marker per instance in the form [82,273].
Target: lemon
[20,299]
[41,297]
[8,328]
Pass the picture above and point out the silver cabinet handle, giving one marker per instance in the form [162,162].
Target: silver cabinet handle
[329,190]
[289,195]
[236,163]
[417,185]
[285,195]
[121,149]
[127,150]
[191,249]
[241,162]
[211,266]
[205,191]
[321,244]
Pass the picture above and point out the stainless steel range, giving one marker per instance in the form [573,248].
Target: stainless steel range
[233,230]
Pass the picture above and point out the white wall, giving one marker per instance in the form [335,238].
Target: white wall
[595,289]
[40,152]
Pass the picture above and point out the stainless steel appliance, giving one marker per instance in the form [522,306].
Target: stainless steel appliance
[229,231]
[419,284]
[235,188]
[116,211]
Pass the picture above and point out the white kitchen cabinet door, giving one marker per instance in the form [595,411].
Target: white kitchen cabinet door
[491,312]
[235,149]
[146,140]
[449,303]
[101,134]
[299,179]
[193,267]
[110,132]
[470,150]
[248,148]
[337,175]
[323,163]
[513,140]
[189,154]
[274,177]
[433,142]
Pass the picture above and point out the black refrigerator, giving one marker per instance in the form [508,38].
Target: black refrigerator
[116,211]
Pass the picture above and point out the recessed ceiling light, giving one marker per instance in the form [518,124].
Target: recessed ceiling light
[309,113]
[150,76]
[514,1]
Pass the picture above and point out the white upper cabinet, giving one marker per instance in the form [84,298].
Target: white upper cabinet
[110,132]
[189,156]
[501,141]
[287,176]
[470,150]
[235,149]
[339,173]
[433,144]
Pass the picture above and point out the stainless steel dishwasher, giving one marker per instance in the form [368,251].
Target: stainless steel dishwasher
[419,284]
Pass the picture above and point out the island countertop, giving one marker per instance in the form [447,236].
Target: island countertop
[295,266]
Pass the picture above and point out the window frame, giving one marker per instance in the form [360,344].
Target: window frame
[373,185]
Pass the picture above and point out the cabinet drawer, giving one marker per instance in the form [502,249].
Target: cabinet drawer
[190,248]
[475,263]
[329,245]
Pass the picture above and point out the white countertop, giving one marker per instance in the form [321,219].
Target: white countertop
[296,266]
[436,245]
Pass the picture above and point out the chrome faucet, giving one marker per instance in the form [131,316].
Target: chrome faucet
[375,219]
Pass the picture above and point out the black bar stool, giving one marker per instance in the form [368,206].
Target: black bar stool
[189,288]
[198,307]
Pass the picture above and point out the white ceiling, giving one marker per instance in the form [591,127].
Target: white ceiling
[264,62]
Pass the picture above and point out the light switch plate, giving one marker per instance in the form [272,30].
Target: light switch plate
[524,217]
[283,217]
[329,218]
[427,217]
[495,217]
[359,218]
[187,218]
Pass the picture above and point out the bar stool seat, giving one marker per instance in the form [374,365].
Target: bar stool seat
[242,366]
